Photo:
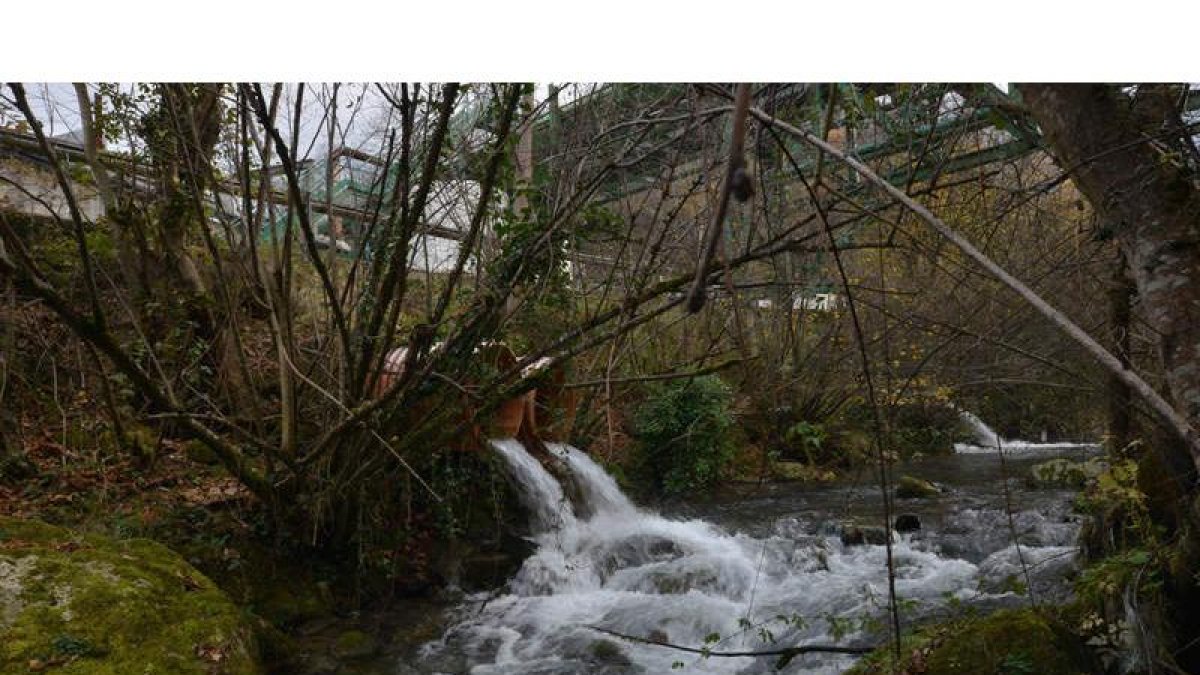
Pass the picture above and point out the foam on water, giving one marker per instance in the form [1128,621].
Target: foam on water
[635,572]
[988,442]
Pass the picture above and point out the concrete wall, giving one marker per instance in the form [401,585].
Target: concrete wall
[39,182]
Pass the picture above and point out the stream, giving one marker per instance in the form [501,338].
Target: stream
[759,568]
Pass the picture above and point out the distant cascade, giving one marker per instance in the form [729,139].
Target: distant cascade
[987,441]
[985,436]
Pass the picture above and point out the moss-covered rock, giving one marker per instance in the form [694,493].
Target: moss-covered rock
[90,604]
[354,644]
[908,487]
[799,471]
[1062,472]
[1009,642]
[607,651]
[855,535]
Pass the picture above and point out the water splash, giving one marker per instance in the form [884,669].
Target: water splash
[540,493]
[600,492]
[987,441]
[636,572]
[985,436]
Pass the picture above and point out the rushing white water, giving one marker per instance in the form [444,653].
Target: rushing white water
[985,436]
[540,492]
[638,573]
[987,441]
[599,489]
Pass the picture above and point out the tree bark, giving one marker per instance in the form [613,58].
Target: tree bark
[1132,175]
[1120,397]
[1130,158]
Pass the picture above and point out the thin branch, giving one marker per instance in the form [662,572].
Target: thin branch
[736,182]
[289,168]
[1173,419]
[72,204]
[660,376]
[785,654]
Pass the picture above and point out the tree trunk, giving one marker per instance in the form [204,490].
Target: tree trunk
[1124,164]
[1128,155]
[1120,397]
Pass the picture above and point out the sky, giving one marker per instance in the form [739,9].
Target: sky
[361,107]
[362,112]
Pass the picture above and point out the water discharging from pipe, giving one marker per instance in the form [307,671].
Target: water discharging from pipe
[636,572]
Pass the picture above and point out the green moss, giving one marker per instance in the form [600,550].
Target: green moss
[915,488]
[799,471]
[1009,642]
[1062,472]
[104,606]
[197,451]
[607,651]
[288,604]
[354,644]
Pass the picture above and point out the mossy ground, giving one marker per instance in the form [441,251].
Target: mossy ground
[1008,642]
[95,605]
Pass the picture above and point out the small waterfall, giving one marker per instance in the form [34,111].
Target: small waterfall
[539,491]
[985,436]
[636,572]
[600,491]
[987,441]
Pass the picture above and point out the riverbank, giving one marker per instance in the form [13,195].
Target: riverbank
[742,551]
[751,571]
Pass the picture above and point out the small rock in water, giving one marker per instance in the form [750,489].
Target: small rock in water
[608,651]
[853,535]
[876,535]
[907,522]
[915,488]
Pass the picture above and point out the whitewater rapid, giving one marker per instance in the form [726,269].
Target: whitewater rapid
[987,441]
[604,562]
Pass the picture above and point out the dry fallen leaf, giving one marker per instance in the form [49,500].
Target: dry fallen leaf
[210,653]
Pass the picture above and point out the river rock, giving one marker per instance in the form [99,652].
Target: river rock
[908,487]
[100,605]
[607,651]
[853,535]
[907,522]
[1023,640]
[799,471]
[354,644]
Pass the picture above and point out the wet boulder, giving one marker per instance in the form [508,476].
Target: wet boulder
[854,535]
[800,472]
[907,522]
[908,487]
[609,653]
[90,604]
